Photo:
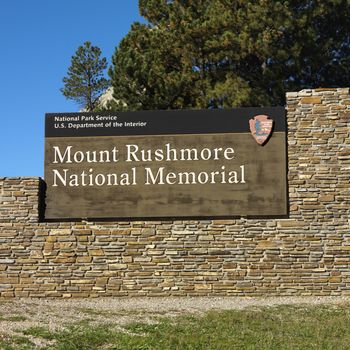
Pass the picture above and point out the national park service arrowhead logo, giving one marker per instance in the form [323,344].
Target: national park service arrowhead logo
[261,128]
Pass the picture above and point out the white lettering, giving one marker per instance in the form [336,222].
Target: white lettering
[131,153]
[61,178]
[65,155]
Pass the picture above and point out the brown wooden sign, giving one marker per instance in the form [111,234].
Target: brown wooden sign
[97,169]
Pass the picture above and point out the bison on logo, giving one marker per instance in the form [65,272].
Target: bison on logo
[261,128]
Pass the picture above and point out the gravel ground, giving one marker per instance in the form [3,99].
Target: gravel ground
[56,313]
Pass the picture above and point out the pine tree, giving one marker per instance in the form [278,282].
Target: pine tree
[225,53]
[85,81]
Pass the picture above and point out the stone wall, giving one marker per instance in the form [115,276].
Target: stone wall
[305,254]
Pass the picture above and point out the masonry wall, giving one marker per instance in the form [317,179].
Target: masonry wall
[305,254]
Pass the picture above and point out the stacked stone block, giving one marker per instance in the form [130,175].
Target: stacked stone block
[307,253]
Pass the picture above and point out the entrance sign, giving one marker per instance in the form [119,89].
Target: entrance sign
[198,163]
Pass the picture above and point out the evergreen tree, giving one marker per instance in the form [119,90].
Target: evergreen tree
[225,53]
[85,81]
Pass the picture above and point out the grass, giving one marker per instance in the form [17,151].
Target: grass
[16,343]
[283,327]
[14,318]
[39,332]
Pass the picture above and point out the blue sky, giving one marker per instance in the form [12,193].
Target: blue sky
[38,38]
